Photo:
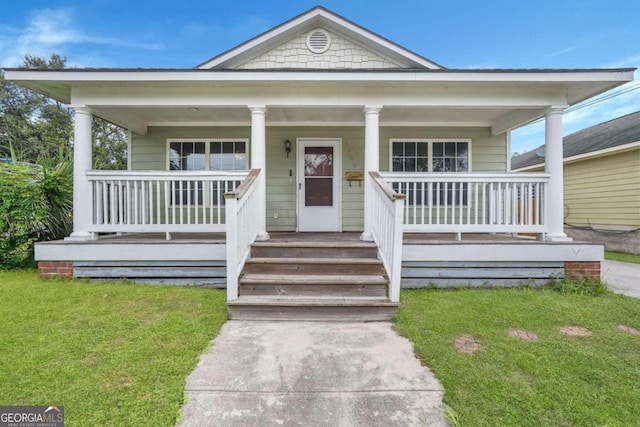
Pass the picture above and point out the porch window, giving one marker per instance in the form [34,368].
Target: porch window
[433,155]
[204,155]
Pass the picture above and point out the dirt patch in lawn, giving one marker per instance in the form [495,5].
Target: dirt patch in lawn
[575,331]
[523,335]
[629,329]
[467,344]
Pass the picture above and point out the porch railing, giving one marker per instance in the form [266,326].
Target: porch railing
[243,225]
[387,207]
[160,201]
[473,202]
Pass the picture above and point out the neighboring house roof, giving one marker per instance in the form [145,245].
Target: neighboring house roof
[604,136]
[321,18]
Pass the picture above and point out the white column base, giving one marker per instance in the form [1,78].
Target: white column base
[80,236]
[366,236]
[560,237]
[262,236]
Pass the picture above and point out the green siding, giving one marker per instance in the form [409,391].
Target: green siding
[604,191]
[148,152]
[488,153]
[281,188]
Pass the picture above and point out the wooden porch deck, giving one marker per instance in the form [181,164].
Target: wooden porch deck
[409,238]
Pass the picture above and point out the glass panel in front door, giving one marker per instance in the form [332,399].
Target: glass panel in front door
[318,176]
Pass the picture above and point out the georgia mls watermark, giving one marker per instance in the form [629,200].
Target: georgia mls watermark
[31,416]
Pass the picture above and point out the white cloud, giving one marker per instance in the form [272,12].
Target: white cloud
[561,52]
[50,31]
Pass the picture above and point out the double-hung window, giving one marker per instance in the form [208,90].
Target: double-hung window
[433,155]
[204,155]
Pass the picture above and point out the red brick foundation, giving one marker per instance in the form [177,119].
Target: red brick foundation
[582,270]
[48,269]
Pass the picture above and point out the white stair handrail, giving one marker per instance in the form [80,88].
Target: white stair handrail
[387,229]
[242,228]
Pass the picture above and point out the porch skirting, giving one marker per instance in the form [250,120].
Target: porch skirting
[201,260]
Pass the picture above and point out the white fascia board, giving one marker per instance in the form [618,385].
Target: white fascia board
[315,18]
[91,251]
[366,38]
[271,37]
[498,251]
[321,124]
[604,152]
[587,156]
[173,77]
[319,96]
[529,168]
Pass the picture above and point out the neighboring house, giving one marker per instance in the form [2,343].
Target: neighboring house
[601,182]
[344,131]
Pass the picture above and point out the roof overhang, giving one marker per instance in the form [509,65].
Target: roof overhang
[578,84]
[501,99]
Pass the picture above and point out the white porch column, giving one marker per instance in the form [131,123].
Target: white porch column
[82,198]
[371,163]
[554,166]
[259,161]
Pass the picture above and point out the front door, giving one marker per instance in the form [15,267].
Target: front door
[319,173]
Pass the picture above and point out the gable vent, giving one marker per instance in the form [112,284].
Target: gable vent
[318,41]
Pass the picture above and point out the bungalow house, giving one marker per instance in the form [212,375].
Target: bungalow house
[601,182]
[314,169]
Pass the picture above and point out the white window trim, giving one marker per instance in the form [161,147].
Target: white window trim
[430,141]
[207,153]
[207,149]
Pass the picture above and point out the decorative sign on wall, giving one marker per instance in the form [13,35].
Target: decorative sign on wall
[355,176]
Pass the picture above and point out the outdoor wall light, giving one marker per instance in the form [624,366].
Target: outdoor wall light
[287,147]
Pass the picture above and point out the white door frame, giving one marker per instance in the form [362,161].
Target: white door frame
[336,143]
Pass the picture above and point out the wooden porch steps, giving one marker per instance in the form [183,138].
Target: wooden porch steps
[315,266]
[313,280]
[314,249]
[310,285]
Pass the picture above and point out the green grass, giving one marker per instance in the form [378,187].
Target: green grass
[112,354]
[622,256]
[556,381]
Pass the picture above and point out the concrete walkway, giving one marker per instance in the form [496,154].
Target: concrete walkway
[621,277]
[311,374]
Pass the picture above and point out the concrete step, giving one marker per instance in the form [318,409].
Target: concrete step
[314,266]
[300,308]
[313,285]
[314,250]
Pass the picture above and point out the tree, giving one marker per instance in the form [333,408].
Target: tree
[33,126]
[109,145]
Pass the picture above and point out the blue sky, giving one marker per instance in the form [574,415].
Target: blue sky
[455,34]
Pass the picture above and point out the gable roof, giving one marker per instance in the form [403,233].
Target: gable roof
[318,17]
[614,133]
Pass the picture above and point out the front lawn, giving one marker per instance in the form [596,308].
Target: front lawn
[622,256]
[112,354]
[555,381]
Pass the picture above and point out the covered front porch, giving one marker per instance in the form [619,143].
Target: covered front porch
[390,162]
[427,228]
